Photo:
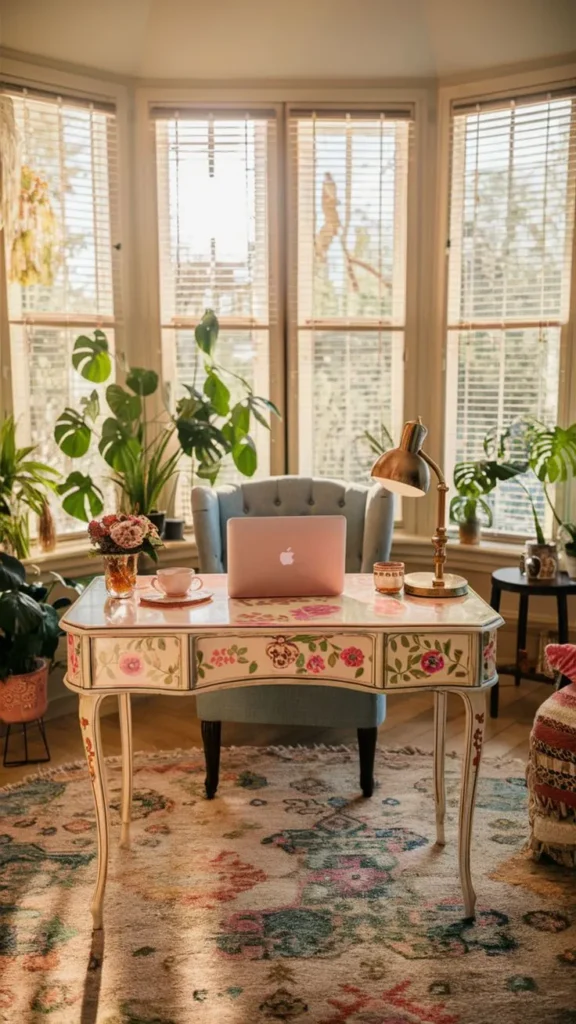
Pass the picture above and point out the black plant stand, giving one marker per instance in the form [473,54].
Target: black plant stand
[18,763]
[515,582]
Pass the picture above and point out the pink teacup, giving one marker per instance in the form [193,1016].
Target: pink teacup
[176,582]
[388,577]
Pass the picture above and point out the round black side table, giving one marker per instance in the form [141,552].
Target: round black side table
[513,581]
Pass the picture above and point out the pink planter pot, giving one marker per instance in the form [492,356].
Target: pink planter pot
[24,698]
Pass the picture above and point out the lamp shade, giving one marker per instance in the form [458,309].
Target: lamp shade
[402,470]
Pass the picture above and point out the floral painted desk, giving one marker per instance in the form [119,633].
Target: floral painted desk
[359,640]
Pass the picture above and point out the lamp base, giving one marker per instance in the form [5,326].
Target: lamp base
[419,584]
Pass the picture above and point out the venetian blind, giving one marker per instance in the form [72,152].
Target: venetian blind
[215,174]
[349,220]
[69,283]
[512,193]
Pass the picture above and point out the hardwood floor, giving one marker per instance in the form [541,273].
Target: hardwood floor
[164,723]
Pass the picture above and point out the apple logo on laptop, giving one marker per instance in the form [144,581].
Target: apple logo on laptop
[287,557]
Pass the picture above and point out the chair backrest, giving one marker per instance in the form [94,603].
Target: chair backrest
[369,513]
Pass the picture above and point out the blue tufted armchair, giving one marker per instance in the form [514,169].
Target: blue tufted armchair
[369,514]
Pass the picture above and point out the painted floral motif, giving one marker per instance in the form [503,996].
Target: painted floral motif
[315,611]
[415,657]
[73,647]
[488,656]
[431,662]
[282,652]
[146,661]
[131,664]
[352,656]
[315,664]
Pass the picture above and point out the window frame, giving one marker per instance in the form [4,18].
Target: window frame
[77,87]
[283,356]
[502,88]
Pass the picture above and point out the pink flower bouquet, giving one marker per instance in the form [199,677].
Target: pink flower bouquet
[124,535]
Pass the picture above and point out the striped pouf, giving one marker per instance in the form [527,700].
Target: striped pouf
[551,773]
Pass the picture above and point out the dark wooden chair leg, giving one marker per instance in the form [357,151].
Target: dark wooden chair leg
[495,691]
[562,630]
[521,637]
[367,750]
[211,736]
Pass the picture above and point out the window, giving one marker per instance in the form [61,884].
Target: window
[510,245]
[349,214]
[215,174]
[219,176]
[69,157]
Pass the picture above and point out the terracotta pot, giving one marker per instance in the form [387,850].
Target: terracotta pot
[470,531]
[24,698]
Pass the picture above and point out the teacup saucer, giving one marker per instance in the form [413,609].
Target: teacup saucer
[169,600]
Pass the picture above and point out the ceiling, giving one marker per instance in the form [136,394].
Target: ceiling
[254,39]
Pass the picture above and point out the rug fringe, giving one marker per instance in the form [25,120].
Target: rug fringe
[277,749]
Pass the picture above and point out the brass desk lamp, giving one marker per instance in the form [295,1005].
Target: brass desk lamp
[405,471]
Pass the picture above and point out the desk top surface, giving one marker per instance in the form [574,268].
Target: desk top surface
[359,607]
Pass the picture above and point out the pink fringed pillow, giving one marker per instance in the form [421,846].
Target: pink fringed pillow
[562,657]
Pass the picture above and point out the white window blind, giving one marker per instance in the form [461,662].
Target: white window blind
[215,173]
[69,146]
[510,247]
[349,189]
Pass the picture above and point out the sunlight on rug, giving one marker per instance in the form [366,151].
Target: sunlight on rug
[287,898]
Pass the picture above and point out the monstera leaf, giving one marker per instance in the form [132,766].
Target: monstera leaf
[117,446]
[206,332]
[91,358]
[72,434]
[553,453]
[142,382]
[125,406]
[81,497]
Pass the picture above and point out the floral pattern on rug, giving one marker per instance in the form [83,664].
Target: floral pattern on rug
[287,898]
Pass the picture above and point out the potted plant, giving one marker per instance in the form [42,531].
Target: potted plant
[474,480]
[29,635]
[209,423]
[142,449]
[120,538]
[550,454]
[24,485]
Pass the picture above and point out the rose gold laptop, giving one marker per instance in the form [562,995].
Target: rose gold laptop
[286,556]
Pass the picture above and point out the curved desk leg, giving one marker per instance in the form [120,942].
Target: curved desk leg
[127,751]
[89,711]
[475,704]
[439,756]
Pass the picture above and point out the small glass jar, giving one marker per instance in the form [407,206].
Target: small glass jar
[120,574]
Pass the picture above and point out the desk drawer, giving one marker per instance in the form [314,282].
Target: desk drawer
[334,657]
[430,659]
[151,662]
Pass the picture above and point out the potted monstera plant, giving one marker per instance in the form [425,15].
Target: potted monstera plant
[474,481]
[142,448]
[29,635]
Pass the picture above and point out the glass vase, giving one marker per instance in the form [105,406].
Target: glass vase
[120,574]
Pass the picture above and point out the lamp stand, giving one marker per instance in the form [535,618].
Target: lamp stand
[437,583]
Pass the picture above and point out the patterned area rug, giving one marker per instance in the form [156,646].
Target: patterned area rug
[288,898]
